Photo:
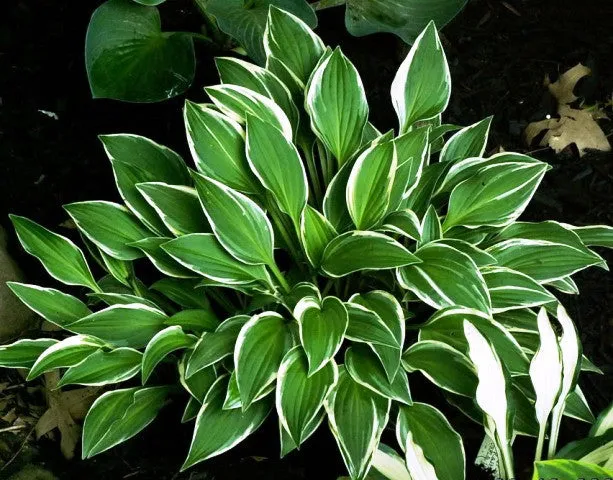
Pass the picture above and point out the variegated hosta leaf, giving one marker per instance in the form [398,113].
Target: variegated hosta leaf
[403,222]
[493,393]
[496,195]
[24,353]
[162,344]
[357,250]
[288,39]
[218,430]
[322,329]
[468,142]
[595,235]
[389,464]
[431,431]
[546,375]
[370,183]
[431,229]
[445,277]
[560,468]
[337,119]
[422,86]
[367,326]
[357,418]
[260,347]
[300,394]
[417,464]
[315,234]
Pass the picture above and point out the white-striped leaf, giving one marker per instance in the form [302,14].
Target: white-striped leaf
[62,259]
[217,144]
[288,444]
[218,430]
[315,233]
[431,229]
[300,395]
[370,184]
[433,433]
[112,227]
[162,344]
[495,195]
[23,353]
[322,329]
[467,143]
[337,119]
[445,277]
[66,353]
[152,247]
[571,469]
[367,326]
[422,85]
[403,222]
[276,163]
[260,347]
[251,240]
[54,306]
[357,250]
[388,464]
[595,235]
[103,368]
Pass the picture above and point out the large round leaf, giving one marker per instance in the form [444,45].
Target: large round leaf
[129,58]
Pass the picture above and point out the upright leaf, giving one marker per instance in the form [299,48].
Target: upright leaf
[422,85]
[163,343]
[468,142]
[336,103]
[510,290]
[62,259]
[315,233]
[103,368]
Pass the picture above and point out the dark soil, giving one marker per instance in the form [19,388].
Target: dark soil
[499,53]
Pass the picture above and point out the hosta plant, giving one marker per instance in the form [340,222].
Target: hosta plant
[309,267]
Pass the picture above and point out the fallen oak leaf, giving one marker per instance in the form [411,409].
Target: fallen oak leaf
[562,89]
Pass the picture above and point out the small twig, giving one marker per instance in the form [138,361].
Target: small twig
[25,440]
[12,428]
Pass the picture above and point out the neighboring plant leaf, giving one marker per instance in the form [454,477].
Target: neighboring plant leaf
[129,58]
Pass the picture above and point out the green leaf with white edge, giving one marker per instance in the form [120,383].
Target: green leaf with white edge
[405,18]
[197,320]
[199,383]
[300,395]
[247,22]
[595,235]
[496,195]
[217,145]
[118,415]
[66,353]
[23,353]
[233,398]
[443,365]
[218,430]
[565,285]
[54,306]
[468,142]
[447,326]
[260,347]
[441,444]
[128,57]
[177,206]
[365,368]
[370,184]
[335,203]
[603,423]
[213,347]
[480,257]
[289,79]
[276,163]
[422,85]
[239,72]
[366,326]
[121,299]
[542,260]
[315,233]
[237,102]
[403,222]
[511,290]
[62,259]
[162,344]
[431,229]
[388,465]
[290,40]
[288,444]
[191,410]
[426,186]
[390,312]
[160,259]
[203,254]
[131,325]
[182,291]
[103,368]
[251,240]
[545,373]
[337,119]
[357,417]
[110,226]
[493,393]
[121,270]
[137,159]
[569,469]
[359,250]
[417,464]
[322,327]
[445,277]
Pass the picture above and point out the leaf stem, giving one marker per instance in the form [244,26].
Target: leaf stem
[539,444]
[556,418]
[313,175]
[279,276]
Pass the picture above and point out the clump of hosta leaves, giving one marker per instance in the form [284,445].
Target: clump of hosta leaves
[310,266]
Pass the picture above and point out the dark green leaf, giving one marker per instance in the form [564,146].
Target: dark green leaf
[23,353]
[163,343]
